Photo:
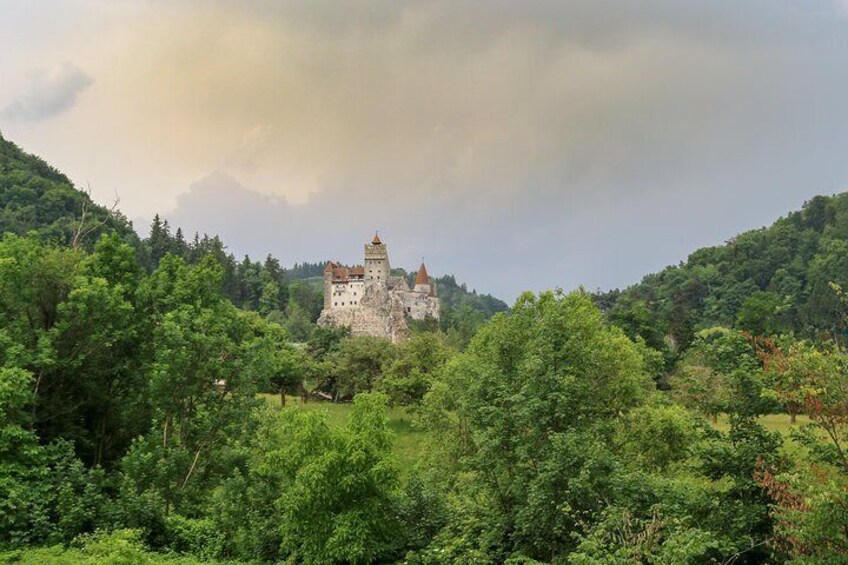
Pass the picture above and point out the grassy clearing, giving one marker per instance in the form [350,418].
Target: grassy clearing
[780,423]
[774,422]
[408,441]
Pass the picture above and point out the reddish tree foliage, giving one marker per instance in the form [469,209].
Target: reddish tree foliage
[786,502]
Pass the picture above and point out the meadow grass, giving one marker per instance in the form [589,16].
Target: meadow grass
[780,423]
[775,422]
[409,440]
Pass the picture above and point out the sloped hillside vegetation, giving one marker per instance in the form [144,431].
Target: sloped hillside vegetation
[771,280]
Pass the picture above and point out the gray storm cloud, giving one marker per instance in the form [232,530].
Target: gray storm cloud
[50,93]
[519,145]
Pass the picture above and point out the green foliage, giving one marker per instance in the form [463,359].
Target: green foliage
[721,373]
[324,341]
[298,322]
[767,281]
[658,435]
[210,361]
[529,401]
[69,320]
[357,365]
[463,312]
[408,376]
[35,197]
[244,508]
[46,494]
[121,547]
[555,455]
[423,511]
[338,487]
[760,314]
[130,414]
[620,538]
[199,537]
[811,514]
[291,367]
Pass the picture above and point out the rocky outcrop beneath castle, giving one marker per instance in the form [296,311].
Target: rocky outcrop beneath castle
[371,301]
[380,313]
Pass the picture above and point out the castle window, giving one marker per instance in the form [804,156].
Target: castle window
[409,309]
[335,303]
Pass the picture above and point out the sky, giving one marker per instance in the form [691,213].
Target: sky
[517,145]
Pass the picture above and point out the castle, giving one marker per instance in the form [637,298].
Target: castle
[371,301]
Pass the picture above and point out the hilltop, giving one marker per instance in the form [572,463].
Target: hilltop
[34,196]
[773,280]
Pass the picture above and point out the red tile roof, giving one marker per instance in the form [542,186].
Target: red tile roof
[342,274]
[422,277]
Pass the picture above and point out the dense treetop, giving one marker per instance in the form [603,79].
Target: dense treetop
[36,197]
[133,428]
[770,280]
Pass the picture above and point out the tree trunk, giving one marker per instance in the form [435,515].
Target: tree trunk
[282,398]
[101,445]
[191,469]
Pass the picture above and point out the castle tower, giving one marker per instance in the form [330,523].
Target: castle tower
[328,284]
[422,281]
[376,262]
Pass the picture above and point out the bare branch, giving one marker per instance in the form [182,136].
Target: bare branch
[81,230]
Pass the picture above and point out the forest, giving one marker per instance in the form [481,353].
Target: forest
[163,402]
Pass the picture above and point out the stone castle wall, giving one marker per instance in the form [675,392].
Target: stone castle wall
[420,306]
[381,305]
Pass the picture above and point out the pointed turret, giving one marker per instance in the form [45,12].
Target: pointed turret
[422,281]
[423,277]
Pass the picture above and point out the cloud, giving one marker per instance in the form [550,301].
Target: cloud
[50,93]
[516,144]
[239,215]
[250,154]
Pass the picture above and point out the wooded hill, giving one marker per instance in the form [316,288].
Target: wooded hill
[773,280]
[35,197]
[133,428]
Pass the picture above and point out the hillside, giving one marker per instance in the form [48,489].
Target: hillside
[34,196]
[772,280]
